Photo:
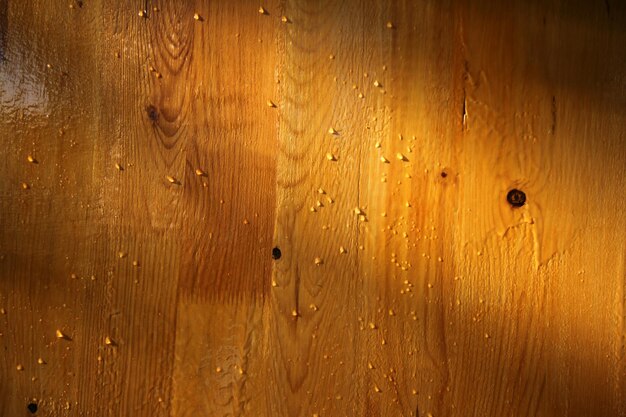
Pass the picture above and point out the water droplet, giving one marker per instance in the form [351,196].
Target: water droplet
[61,335]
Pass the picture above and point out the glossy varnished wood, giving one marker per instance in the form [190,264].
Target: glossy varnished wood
[373,143]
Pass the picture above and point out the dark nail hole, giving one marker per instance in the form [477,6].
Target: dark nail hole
[153,113]
[32,407]
[276,253]
[444,174]
[516,198]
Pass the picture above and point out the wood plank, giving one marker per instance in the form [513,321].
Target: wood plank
[374,145]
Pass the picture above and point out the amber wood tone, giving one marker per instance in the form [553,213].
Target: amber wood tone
[156,152]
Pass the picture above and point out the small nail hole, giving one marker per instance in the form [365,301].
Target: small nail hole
[516,198]
[276,253]
[444,174]
[32,407]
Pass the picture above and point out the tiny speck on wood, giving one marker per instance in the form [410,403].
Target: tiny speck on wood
[40,361]
[384,160]
[401,157]
[197,17]
[263,11]
[119,167]
[331,157]
[32,160]
[61,335]
[143,13]
[153,113]
[333,132]
[172,180]
[390,25]
[285,19]
[25,186]
[122,255]
[376,83]
[318,261]
[342,250]
[19,367]
[108,341]
[200,172]
[271,104]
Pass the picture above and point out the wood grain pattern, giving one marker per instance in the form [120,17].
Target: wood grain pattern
[374,144]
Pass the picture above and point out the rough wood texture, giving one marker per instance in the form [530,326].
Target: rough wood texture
[407,285]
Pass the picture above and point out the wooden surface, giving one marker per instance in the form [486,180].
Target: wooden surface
[444,301]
